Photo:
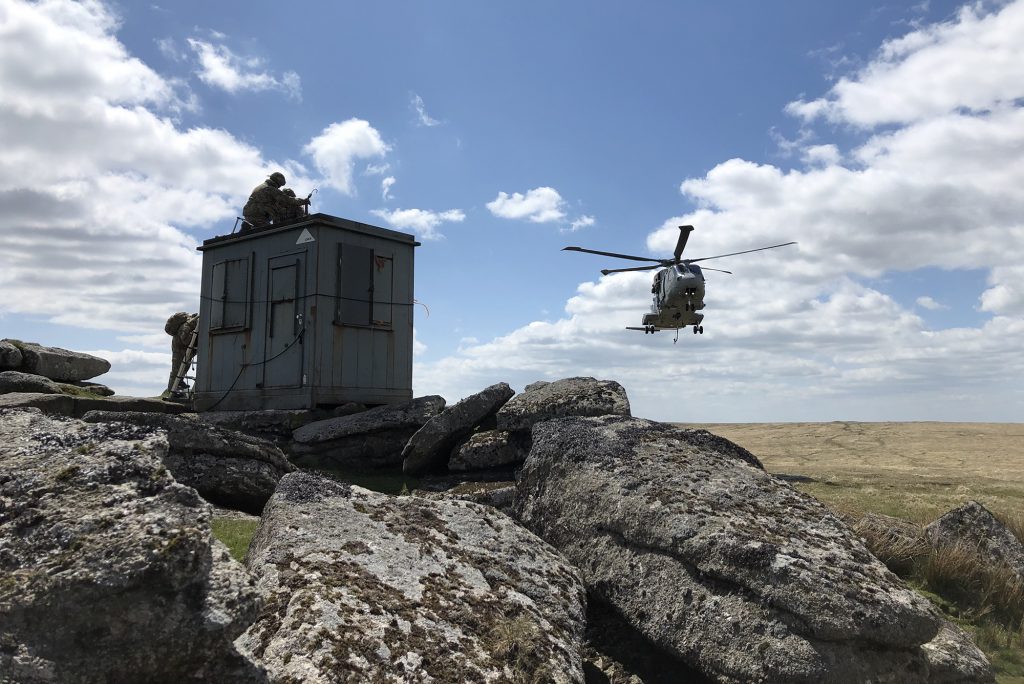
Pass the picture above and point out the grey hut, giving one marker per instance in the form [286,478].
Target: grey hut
[317,312]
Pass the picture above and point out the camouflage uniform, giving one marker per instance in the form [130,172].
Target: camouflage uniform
[180,327]
[289,213]
[268,203]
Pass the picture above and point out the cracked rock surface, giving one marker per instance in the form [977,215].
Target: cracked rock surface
[369,439]
[715,561]
[432,443]
[228,468]
[365,587]
[108,570]
[565,397]
[973,526]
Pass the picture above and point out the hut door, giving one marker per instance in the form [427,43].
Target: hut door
[285,321]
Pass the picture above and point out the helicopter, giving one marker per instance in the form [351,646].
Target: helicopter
[678,287]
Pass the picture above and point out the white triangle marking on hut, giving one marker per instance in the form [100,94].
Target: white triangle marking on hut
[305,236]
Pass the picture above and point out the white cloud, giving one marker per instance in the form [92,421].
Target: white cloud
[795,334]
[930,304]
[422,118]
[974,62]
[376,169]
[385,187]
[337,148]
[540,205]
[422,221]
[169,49]
[825,155]
[580,223]
[219,67]
[98,184]
[418,348]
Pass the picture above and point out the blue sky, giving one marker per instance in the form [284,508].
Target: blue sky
[887,139]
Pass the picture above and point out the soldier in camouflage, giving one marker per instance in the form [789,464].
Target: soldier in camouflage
[180,327]
[290,213]
[268,203]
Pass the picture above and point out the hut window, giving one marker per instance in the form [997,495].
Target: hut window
[230,294]
[355,285]
[364,287]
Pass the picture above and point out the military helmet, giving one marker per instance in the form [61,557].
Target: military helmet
[278,178]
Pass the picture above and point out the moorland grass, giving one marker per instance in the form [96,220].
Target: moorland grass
[917,472]
[235,533]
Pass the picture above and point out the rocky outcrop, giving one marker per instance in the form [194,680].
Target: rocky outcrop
[52,404]
[16,381]
[953,658]
[227,468]
[275,425]
[370,439]
[92,387]
[364,587]
[78,406]
[431,445]
[10,356]
[561,398]
[494,494]
[974,527]
[108,571]
[489,449]
[716,562]
[59,364]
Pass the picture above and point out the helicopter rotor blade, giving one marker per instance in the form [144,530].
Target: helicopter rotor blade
[684,235]
[610,254]
[606,271]
[746,251]
[708,268]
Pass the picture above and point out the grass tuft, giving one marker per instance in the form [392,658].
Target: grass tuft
[1014,522]
[235,533]
[899,552]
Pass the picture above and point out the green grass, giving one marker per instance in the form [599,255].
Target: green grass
[235,533]
[984,598]
[74,391]
[916,499]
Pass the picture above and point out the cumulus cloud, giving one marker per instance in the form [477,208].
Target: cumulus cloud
[100,187]
[974,62]
[422,118]
[219,67]
[422,221]
[385,187]
[825,155]
[580,223]
[540,205]
[930,304]
[336,150]
[937,180]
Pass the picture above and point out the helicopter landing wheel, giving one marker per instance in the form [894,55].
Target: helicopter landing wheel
[700,329]
[694,330]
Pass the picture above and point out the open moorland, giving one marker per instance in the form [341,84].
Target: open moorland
[915,471]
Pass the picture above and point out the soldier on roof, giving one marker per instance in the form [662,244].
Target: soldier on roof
[268,203]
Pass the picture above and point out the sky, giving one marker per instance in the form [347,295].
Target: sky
[887,139]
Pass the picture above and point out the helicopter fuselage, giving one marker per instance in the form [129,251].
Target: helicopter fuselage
[678,287]
[678,294]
